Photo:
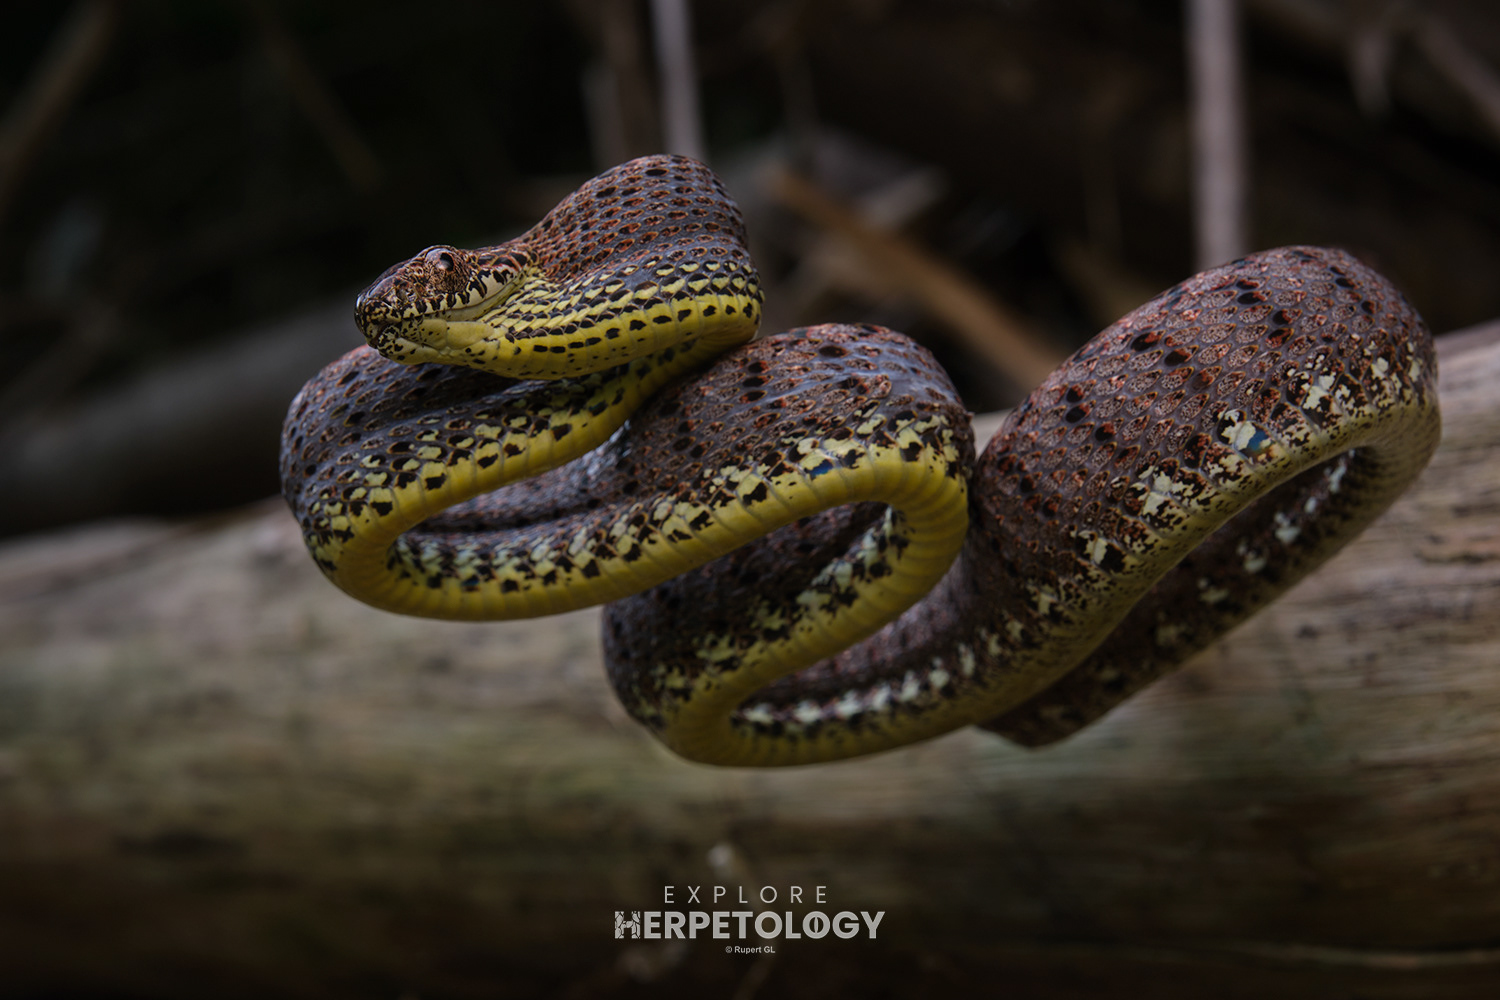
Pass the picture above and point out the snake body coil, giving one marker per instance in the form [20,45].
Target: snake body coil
[806,560]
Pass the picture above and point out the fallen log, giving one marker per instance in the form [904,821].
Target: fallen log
[217,773]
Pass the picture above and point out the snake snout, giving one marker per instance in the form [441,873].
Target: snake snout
[374,315]
[385,319]
[381,289]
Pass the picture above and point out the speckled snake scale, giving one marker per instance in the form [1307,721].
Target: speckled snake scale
[806,560]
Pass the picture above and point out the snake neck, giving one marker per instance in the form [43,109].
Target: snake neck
[541,329]
[604,325]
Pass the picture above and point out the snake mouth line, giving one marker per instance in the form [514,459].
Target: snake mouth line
[378,314]
[414,337]
[390,339]
[409,326]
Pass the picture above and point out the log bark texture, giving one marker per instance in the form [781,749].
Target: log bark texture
[217,773]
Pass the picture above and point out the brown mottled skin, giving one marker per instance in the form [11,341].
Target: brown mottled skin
[1241,335]
[627,231]
[1150,390]
[1177,473]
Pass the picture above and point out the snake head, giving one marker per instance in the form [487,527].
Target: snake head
[433,307]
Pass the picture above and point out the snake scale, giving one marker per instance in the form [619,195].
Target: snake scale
[805,557]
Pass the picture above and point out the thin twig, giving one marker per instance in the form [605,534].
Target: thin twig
[601,104]
[76,51]
[1371,52]
[1100,280]
[317,102]
[781,31]
[617,89]
[66,360]
[1463,68]
[682,127]
[1218,114]
[985,324]
[124,448]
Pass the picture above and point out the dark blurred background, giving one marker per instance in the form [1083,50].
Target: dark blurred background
[191,193]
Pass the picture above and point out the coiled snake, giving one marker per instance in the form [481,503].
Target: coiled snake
[806,559]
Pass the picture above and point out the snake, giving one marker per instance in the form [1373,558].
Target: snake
[802,557]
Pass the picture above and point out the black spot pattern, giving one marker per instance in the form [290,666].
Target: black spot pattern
[1173,476]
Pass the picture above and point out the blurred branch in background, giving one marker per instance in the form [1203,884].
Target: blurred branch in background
[780,31]
[322,108]
[83,335]
[991,329]
[677,71]
[1220,161]
[1368,37]
[174,176]
[81,332]
[1371,50]
[1107,288]
[618,99]
[174,437]
[76,50]
[1464,68]
[1375,41]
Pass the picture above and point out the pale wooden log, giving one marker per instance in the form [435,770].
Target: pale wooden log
[219,774]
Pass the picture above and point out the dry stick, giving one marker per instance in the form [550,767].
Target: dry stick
[601,106]
[985,324]
[617,92]
[682,127]
[1463,68]
[1325,27]
[780,32]
[603,102]
[1372,48]
[317,102]
[1218,116]
[141,442]
[69,356]
[76,50]
[88,329]
[1106,286]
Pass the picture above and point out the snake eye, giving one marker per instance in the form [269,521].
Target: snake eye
[439,259]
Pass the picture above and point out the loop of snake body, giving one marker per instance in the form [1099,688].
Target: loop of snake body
[806,560]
